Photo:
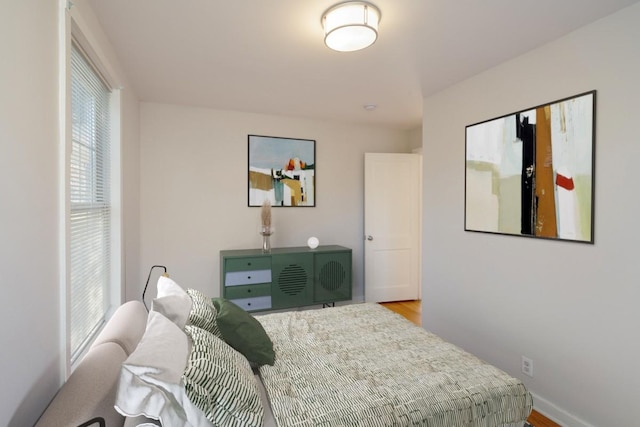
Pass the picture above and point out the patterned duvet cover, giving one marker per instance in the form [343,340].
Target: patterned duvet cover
[363,365]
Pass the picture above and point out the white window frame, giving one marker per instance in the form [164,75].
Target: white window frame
[74,29]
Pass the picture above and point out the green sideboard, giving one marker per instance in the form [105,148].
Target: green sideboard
[285,277]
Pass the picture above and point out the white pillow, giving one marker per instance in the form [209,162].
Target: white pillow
[166,286]
[172,301]
[151,377]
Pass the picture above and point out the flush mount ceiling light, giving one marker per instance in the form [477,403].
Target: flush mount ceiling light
[351,26]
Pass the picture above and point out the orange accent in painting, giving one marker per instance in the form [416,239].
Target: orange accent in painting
[546,224]
[260,181]
[296,191]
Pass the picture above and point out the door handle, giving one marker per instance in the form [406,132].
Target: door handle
[369,237]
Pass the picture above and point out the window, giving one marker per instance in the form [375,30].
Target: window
[90,206]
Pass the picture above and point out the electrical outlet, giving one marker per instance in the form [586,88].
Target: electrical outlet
[527,366]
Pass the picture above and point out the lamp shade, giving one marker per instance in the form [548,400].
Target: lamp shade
[351,26]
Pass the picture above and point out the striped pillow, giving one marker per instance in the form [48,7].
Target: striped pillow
[203,313]
[219,381]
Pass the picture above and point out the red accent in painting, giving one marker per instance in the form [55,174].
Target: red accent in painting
[564,182]
[291,165]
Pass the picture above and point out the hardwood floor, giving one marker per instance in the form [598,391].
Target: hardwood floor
[412,310]
[536,419]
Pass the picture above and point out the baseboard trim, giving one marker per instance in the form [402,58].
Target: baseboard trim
[557,414]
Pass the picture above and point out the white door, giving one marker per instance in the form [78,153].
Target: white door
[392,206]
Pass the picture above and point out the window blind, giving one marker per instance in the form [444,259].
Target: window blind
[90,207]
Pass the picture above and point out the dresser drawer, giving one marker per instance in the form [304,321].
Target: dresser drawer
[234,292]
[252,304]
[249,263]
[252,277]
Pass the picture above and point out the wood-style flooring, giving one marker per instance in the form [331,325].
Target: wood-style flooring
[412,310]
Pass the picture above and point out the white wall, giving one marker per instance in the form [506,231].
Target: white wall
[570,307]
[131,194]
[30,338]
[194,189]
[415,139]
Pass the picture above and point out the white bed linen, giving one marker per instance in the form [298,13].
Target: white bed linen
[268,421]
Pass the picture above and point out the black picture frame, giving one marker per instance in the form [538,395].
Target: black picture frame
[532,173]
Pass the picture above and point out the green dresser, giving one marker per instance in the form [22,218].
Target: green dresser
[286,277]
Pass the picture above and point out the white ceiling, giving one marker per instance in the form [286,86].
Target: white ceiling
[268,56]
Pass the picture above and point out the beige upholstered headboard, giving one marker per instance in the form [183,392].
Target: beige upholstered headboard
[88,396]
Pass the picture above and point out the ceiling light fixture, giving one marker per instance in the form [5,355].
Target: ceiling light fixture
[350,26]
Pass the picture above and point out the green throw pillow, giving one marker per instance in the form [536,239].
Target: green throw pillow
[243,332]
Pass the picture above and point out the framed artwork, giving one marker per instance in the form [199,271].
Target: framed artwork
[282,171]
[531,173]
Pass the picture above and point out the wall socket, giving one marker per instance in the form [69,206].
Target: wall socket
[527,366]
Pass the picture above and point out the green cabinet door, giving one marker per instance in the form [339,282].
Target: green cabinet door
[292,280]
[332,276]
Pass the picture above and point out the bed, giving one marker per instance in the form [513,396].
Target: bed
[362,364]
[194,360]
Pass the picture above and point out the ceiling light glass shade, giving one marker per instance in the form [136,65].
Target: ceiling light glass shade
[351,26]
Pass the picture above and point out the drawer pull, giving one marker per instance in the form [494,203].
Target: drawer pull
[249,277]
[249,291]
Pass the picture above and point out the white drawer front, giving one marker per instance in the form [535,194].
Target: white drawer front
[256,303]
[253,277]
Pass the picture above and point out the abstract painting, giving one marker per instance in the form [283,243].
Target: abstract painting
[531,173]
[282,171]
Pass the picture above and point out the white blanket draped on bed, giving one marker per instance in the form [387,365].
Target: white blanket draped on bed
[363,365]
